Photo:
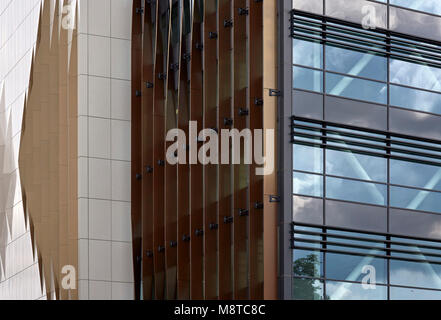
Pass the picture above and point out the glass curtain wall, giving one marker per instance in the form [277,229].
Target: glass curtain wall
[365,167]
[361,167]
[380,170]
[344,61]
[335,264]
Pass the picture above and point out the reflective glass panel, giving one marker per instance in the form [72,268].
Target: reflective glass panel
[356,268]
[357,166]
[415,274]
[415,75]
[315,6]
[415,199]
[308,184]
[356,88]
[354,291]
[307,210]
[353,11]
[415,23]
[431,6]
[398,293]
[308,53]
[307,79]
[414,174]
[356,63]
[415,99]
[308,263]
[307,289]
[308,158]
[349,190]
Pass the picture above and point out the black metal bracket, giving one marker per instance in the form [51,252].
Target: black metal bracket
[173,244]
[162,76]
[258,206]
[214,226]
[138,93]
[228,23]
[174,66]
[186,57]
[138,176]
[228,220]
[149,254]
[228,122]
[140,10]
[161,249]
[212,35]
[243,112]
[274,93]
[258,101]
[186,238]
[149,85]
[161,163]
[199,232]
[243,11]
[244,212]
[274,199]
[149,169]
[199,46]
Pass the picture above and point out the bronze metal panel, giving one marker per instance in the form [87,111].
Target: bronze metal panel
[225,170]
[160,102]
[196,174]
[210,170]
[148,76]
[183,207]
[170,169]
[136,144]
[241,172]
[256,181]
[214,72]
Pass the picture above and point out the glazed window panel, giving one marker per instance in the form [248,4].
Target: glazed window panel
[307,158]
[430,6]
[414,199]
[416,175]
[308,184]
[355,88]
[399,293]
[357,166]
[354,291]
[415,99]
[356,191]
[314,6]
[307,289]
[356,63]
[308,263]
[352,10]
[415,274]
[307,79]
[415,75]
[354,268]
[415,23]
[308,53]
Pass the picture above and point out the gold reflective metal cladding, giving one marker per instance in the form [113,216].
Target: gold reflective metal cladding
[48,152]
[203,61]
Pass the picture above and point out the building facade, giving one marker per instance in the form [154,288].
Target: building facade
[116,183]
